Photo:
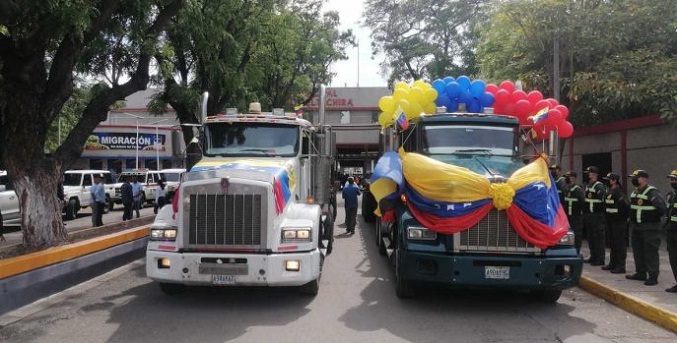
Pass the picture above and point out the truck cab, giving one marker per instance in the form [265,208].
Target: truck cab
[253,211]
[489,254]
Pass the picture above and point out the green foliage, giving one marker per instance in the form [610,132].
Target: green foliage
[617,58]
[425,38]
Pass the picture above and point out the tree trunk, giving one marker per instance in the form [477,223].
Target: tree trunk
[42,225]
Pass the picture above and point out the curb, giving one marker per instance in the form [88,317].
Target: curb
[666,319]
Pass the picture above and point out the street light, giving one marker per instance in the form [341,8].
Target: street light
[157,148]
[137,135]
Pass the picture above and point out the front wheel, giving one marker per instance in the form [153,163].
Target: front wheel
[403,289]
[72,209]
[382,250]
[110,204]
[548,295]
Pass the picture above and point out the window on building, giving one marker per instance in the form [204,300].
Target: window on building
[96,163]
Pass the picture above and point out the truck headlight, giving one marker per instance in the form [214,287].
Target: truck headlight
[568,239]
[421,234]
[296,235]
[163,233]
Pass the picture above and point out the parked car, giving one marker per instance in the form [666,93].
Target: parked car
[147,178]
[9,201]
[173,179]
[76,188]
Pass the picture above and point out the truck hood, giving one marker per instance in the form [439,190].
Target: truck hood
[271,170]
[491,166]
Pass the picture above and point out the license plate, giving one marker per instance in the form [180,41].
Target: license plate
[494,272]
[223,279]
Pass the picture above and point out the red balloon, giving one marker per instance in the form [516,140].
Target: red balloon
[510,109]
[508,85]
[502,97]
[491,88]
[541,105]
[554,118]
[564,110]
[565,129]
[534,97]
[552,102]
[523,108]
[518,95]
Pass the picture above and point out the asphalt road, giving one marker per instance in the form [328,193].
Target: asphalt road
[356,303]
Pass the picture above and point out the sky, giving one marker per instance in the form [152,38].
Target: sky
[350,12]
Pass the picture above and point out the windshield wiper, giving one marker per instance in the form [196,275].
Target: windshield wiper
[266,152]
[470,151]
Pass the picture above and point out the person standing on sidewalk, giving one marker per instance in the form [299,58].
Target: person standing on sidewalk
[100,197]
[127,198]
[593,217]
[671,223]
[350,193]
[137,190]
[574,198]
[647,206]
[617,209]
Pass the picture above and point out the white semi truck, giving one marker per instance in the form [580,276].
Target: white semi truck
[255,211]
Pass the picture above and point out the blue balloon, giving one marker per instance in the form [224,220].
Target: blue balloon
[439,86]
[448,80]
[477,88]
[442,100]
[453,106]
[464,82]
[452,90]
[464,97]
[474,106]
[487,99]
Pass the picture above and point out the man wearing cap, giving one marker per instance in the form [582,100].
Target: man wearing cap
[671,223]
[560,181]
[593,217]
[350,193]
[574,198]
[647,206]
[617,209]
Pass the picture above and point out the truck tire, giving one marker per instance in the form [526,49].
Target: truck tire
[311,288]
[72,209]
[403,289]
[382,250]
[368,207]
[172,288]
[327,233]
[548,295]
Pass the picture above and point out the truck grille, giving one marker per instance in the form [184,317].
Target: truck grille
[225,219]
[493,234]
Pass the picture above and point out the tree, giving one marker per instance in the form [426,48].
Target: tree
[424,38]
[617,58]
[44,46]
[240,51]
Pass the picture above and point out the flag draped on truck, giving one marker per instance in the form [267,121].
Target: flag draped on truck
[449,199]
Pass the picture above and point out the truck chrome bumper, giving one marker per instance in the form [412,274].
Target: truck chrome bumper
[224,269]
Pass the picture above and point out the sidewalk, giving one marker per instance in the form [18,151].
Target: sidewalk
[649,302]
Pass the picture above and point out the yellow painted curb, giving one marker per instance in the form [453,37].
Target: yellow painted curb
[21,264]
[631,304]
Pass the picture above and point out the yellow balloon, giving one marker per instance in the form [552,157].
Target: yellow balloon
[419,84]
[414,111]
[386,103]
[400,94]
[426,85]
[415,95]
[402,85]
[429,108]
[385,119]
[404,105]
[429,95]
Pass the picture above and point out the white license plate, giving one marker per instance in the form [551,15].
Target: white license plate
[494,272]
[223,279]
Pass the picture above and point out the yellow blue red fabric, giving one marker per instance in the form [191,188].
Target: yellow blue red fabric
[449,199]
[282,171]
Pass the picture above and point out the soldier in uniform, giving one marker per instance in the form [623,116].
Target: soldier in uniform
[593,216]
[560,181]
[574,198]
[617,209]
[647,206]
[671,223]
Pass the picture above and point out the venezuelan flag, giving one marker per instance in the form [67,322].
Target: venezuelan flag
[540,115]
[449,199]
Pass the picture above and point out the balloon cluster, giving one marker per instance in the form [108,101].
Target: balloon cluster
[532,109]
[414,99]
[462,90]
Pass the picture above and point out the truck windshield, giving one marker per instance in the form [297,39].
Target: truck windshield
[251,139]
[469,139]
